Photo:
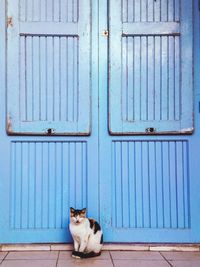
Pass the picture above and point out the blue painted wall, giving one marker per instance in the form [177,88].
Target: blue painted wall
[141,187]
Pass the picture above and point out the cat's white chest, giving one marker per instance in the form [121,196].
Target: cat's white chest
[78,231]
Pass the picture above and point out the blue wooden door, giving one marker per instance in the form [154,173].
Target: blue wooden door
[147,172]
[98,101]
[51,118]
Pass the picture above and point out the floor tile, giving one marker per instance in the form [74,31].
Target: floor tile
[191,263]
[85,263]
[140,263]
[28,263]
[2,255]
[134,255]
[33,255]
[181,255]
[66,255]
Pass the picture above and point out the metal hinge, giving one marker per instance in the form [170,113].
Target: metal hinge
[10,22]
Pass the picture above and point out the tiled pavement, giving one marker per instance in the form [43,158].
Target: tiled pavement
[107,259]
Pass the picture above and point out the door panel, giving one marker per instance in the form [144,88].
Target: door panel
[150,67]
[50,87]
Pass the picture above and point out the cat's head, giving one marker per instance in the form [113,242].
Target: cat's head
[77,216]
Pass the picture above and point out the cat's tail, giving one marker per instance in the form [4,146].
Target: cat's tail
[77,254]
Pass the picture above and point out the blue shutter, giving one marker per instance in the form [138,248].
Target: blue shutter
[48,67]
[150,67]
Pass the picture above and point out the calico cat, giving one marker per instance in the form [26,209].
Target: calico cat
[86,233]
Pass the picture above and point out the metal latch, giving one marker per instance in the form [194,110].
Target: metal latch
[150,130]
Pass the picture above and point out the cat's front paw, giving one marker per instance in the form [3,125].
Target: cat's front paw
[77,254]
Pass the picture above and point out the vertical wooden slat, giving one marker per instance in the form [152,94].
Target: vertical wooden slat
[75,10]
[180,183]
[57,70]
[30,10]
[23,10]
[139,186]
[84,173]
[32,193]
[177,10]
[144,11]
[171,10]
[36,78]
[52,192]
[43,80]
[144,95]
[70,79]
[124,80]
[150,10]
[177,79]
[79,178]
[75,79]
[137,10]
[164,10]
[29,79]
[59,185]
[173,184]
[145,184]
[49,8]
[119,199]
[131,186]
[114,202]
[63,78]
[137,65]
[50,77]
[130,86]
[70,11]
[43,10]
[130,11]
[153,209]
[56,10]
[164,85]
[186,185]
[166,185]
[72,174]
[63,10]
[150,78]
[158,71]
[125,186]
[36,10]
[38,185]
[160,183]
[171,78]
[22,107]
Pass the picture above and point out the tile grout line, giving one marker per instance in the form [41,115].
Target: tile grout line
[57,258]
[4,258]
[112,259]
[165,259]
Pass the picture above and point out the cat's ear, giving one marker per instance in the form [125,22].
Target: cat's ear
[72,210]
[83,211]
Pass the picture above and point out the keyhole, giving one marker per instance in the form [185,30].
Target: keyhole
[50,131]
[150,130]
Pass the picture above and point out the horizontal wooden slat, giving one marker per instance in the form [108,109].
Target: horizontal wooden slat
[48,28]
[151,28]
